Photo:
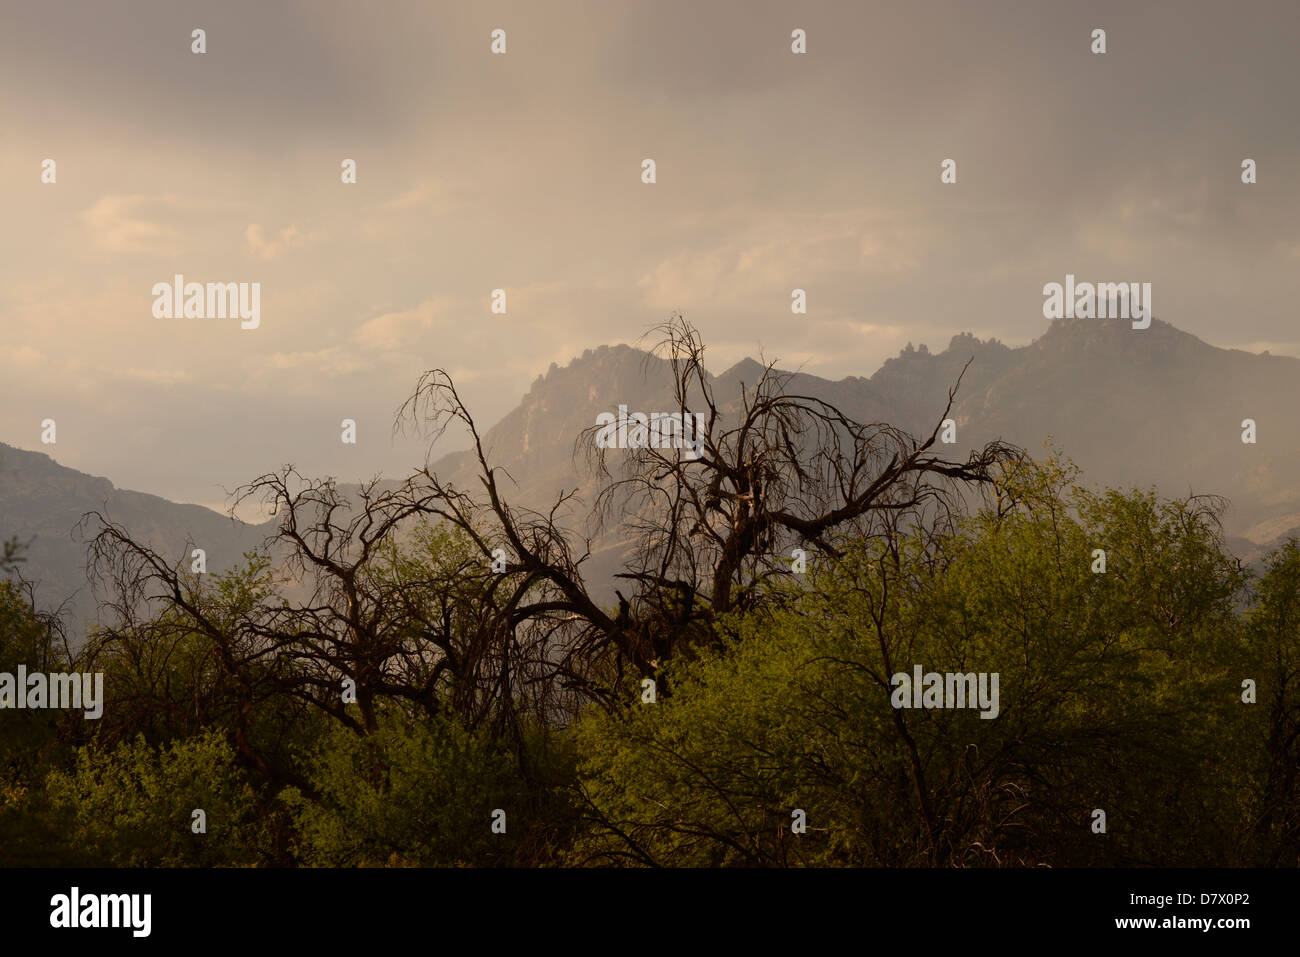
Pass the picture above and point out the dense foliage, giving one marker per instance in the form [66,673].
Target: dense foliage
[1163,691]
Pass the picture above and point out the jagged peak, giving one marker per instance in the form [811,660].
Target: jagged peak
[968,341]
[747,369]
[602,355]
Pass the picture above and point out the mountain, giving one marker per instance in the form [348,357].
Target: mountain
[1154,407]
[1130,407]
[42,502]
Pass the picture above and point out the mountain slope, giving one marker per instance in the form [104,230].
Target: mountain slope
[1154,407]
[42,502]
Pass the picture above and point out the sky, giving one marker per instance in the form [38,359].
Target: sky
[523,171]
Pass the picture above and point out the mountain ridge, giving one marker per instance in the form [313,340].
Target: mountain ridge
[1157,406]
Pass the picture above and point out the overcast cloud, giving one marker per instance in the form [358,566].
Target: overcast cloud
[522,171]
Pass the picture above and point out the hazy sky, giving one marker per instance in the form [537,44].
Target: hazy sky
[523,171]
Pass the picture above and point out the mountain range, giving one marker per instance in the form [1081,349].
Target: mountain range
[1153,407]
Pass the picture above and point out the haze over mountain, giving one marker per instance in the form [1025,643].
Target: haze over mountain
[1131,407]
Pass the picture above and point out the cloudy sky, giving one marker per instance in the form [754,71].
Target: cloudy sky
[523,172]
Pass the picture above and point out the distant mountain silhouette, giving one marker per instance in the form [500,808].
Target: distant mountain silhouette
[1131,407]
[41,502]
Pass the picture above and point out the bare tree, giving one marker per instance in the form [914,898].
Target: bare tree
[501,624]
[713,517]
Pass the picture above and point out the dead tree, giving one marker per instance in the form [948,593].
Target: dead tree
[501,626]
[713,518]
